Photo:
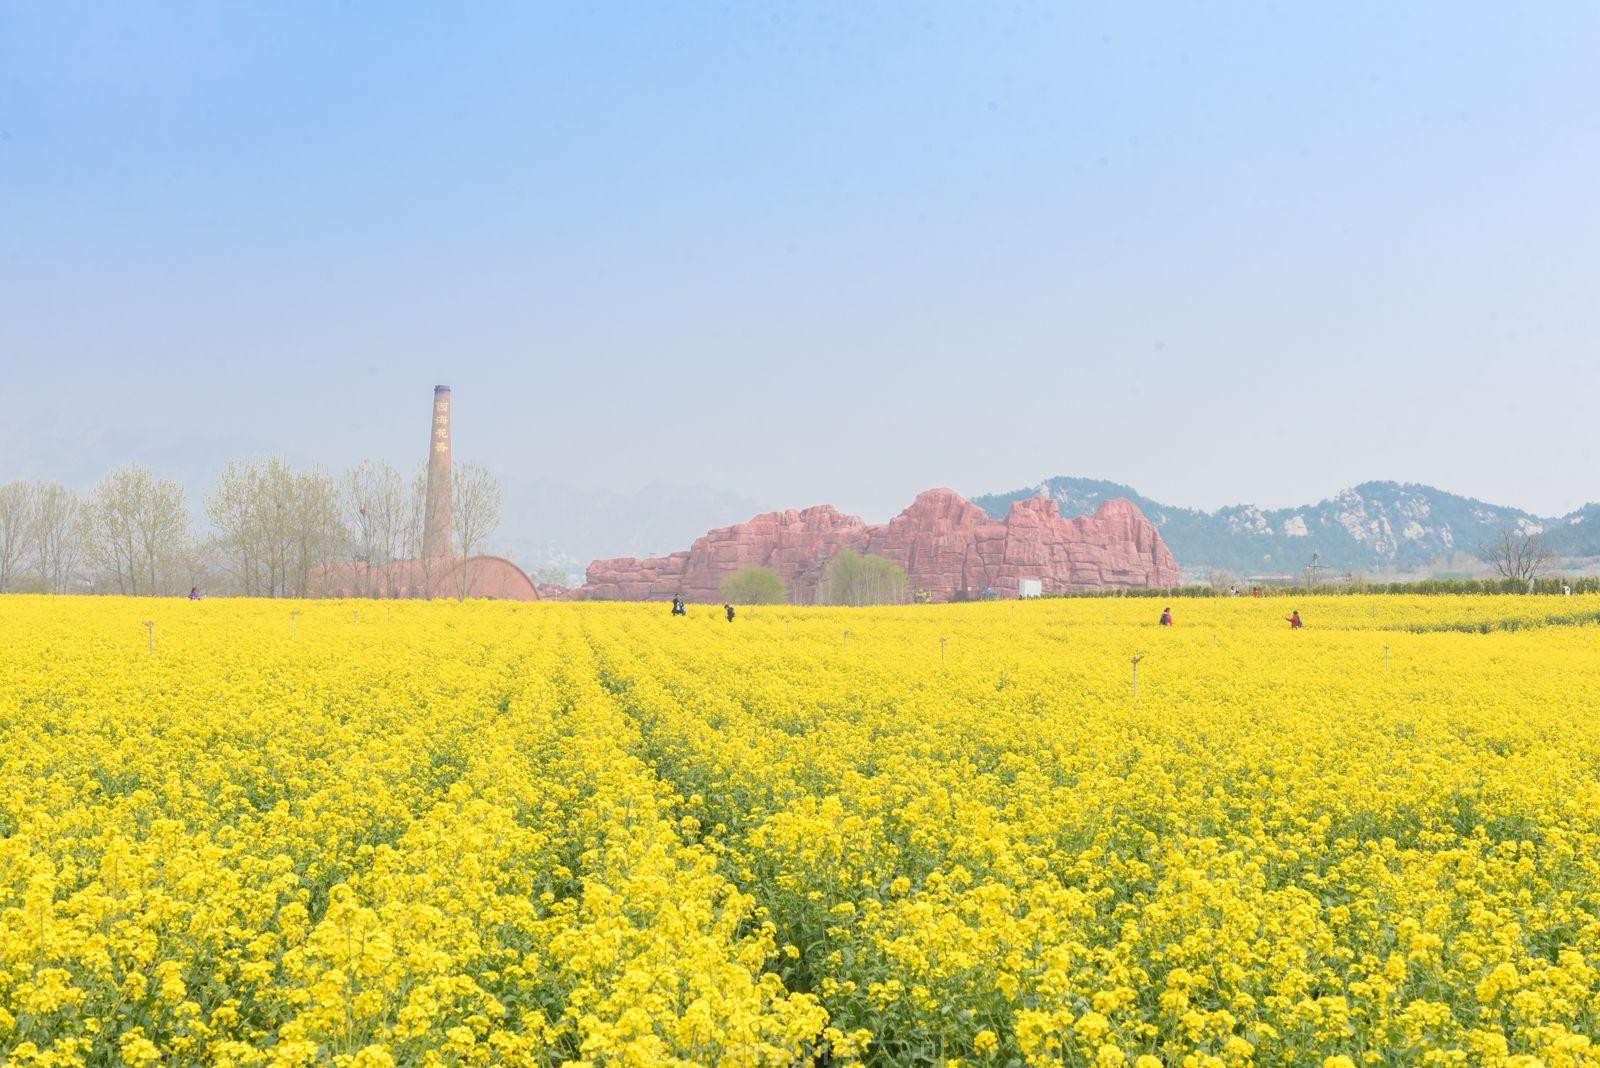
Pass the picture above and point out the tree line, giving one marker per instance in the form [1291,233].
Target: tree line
[266,528]
[849,578]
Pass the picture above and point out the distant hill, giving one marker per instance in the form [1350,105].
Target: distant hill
[1374,527]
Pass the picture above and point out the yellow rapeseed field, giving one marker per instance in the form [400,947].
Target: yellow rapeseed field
[440,833]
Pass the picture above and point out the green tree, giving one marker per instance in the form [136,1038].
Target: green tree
[855,579]
[755,585]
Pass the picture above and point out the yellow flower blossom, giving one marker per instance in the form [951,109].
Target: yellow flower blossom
[481,833]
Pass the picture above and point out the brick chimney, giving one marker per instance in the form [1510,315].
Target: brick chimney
[436,517]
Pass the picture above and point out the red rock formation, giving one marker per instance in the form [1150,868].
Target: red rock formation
[947,545]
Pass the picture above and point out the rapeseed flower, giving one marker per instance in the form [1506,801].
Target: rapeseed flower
[544,834]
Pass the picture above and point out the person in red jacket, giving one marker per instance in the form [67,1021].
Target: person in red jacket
[1166,617]
[1293,619]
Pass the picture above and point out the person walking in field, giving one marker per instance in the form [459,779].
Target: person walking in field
[728,608]
[1293,619]
[194,593]
[677,605]
[1166,617]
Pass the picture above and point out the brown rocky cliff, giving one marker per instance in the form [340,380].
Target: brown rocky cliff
[947,545]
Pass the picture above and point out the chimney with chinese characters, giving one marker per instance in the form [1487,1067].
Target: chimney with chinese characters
[436,503]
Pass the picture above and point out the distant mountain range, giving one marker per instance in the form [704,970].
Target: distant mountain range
[1376,527]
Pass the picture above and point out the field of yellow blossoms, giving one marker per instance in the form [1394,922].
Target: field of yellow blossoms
[378,834]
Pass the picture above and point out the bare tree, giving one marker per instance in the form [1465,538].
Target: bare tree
[134,529]
[16,521]
[274,518]
[1517,553]
[234,509]
[275,526]
[1221,580]
[54,536]
[475,515]
[376,506]
[252,508]
[317,534]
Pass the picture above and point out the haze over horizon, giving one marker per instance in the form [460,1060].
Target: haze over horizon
[810,253]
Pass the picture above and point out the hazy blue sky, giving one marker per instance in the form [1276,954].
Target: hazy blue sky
[832,252]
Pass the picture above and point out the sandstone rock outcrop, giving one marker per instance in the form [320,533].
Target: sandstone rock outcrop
[946,544]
